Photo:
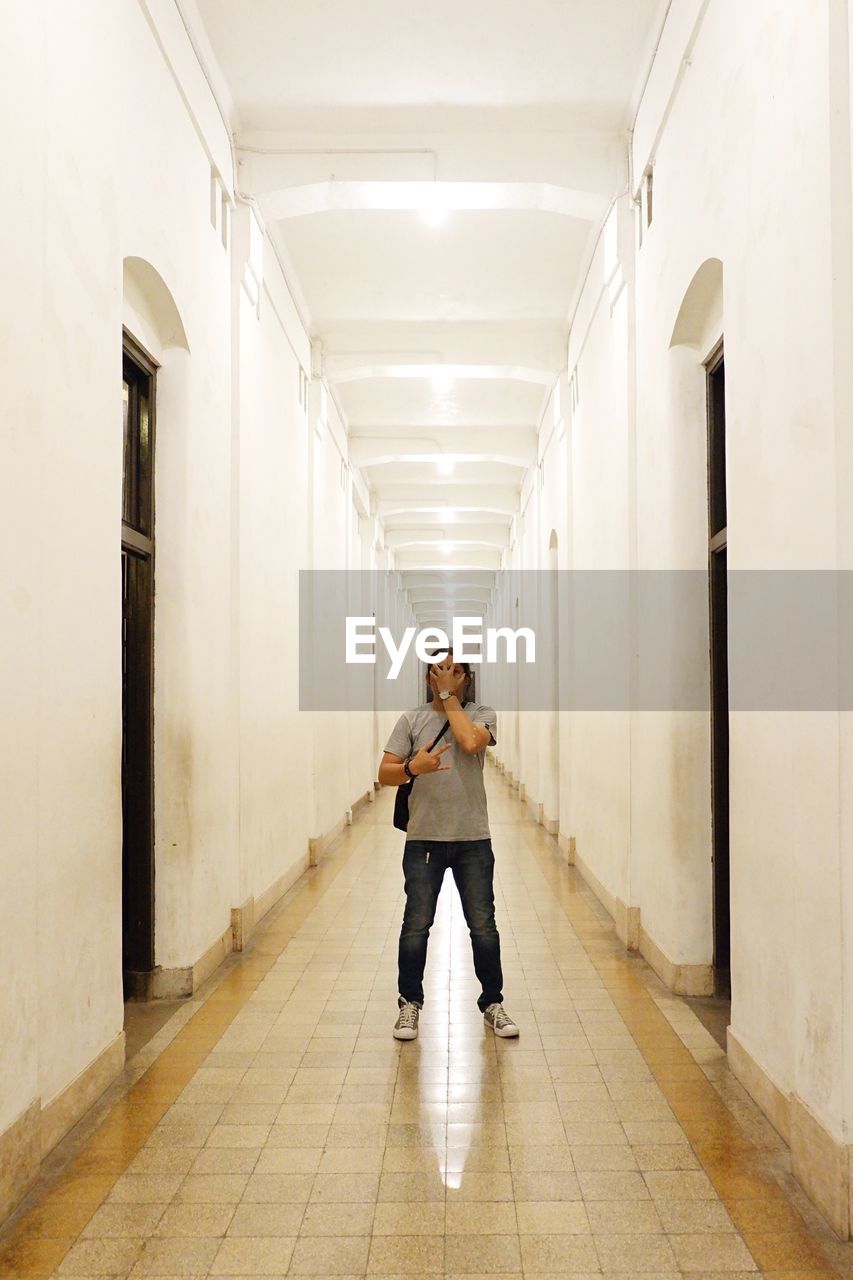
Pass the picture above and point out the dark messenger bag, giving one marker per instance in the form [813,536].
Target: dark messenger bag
[401,800]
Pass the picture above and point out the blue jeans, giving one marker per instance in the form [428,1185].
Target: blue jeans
[472,864]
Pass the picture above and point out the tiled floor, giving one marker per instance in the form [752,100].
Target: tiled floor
[276,1128]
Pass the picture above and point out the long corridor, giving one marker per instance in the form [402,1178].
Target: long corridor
[273,1127]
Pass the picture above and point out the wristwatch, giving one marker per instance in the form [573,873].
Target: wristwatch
[445,694]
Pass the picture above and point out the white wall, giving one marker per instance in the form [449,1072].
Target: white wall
[88,187]
[772,202]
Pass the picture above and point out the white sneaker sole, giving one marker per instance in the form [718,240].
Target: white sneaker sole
[505,1033]
[405,1033]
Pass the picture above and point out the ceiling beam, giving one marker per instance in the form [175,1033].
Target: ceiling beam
[512,447]
[408,499]
[343,369]
[433,199]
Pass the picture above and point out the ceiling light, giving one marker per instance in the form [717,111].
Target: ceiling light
[444,466]
[447,514]
[434,215]
[432,205]
[442,383]
[446,548]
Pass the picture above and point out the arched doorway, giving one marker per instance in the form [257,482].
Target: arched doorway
[699,327]
[153,335]
[137,665]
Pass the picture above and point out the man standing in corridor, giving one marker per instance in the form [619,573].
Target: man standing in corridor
[448,828]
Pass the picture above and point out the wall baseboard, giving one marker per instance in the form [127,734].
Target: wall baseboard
[683,979]
[568,845]
[317,845]
[20,1157]
[182,981]
[26,1142]
[821,1163]
[245,919]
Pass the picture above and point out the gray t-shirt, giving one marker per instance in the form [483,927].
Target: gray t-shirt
[451,805]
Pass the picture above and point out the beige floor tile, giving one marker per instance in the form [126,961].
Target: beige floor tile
[482,1254]
[128,1220]
[164,1160]
[356,1135]
[635,1255]
[352,1160]
[238,1135]
[330,1188]
[666,1157]
[603,1112]
[594,1134]
[654,1134]
[252,1113]
[480,1217]
[406,1255]
[193,1220]
[712,1252]
[253,1256]
[297,1135]
[102,1256]
[353,1219]
[690,1217]
[408,1160]
[419,1219]
[417,1186]
[145,1188]
[176,1257]
[581,1095]
[266,1220]
[320,1113]
[271,1188]
[328,1256]
[631,1217]
[480,1186]
[309,1095]
[475,1159]
[612,1186]
[680,1185]
[289,1160]
[612,1159]
[212,1188]
[555,1157]
[546,1185]
[553,1254]
[225,1160]
[552,1217]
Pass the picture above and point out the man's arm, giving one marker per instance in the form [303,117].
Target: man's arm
[472,738]
[392,773]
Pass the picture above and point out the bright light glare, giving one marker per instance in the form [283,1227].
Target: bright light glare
[446,548]
[434,215]
[444,466]
[447,514]
[442,383]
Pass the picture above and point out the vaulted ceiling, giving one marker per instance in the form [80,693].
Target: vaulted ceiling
[434,176]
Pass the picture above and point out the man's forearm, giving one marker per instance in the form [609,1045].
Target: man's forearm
[392,775]
[461,726]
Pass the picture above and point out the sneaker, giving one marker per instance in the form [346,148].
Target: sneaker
[406,1026]
[499,1020]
